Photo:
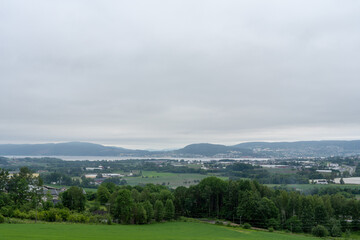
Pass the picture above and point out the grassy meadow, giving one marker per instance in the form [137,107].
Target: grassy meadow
[170,179]
[162,231]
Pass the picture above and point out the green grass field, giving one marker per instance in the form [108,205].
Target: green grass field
[60,186]
[170,179]
[162,231]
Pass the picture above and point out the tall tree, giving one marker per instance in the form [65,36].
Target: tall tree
[169,210]
[103,194]
[124,206]
[74,199]
[159,211]
[149,211]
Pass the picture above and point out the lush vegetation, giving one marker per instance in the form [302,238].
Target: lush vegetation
[321,210]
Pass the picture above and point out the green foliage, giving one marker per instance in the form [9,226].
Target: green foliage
[169,210]
[123,206]
[103,194]
[335,231]
[148,207]
[159,211]
[247,225]
[2,219]
[74,199]
[273,223]
[320,231]
[294,224]
[139,214]
[334,227]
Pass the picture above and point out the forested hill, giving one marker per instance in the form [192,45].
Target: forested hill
[211,150]
[66,149]
[250,149]
[304,148]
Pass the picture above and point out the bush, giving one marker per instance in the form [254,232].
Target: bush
[109,221]
[7,211]
[320,231]
[335,231]
[294,224]
[247,225]
[50,215]
[19,214]
[2,219]
[271,229]
[347,233]
[273,223]
[78,218]
[64,214]
[334,228]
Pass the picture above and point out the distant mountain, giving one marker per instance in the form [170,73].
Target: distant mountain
[213,150]
[304,148]
[250,149]
[65,149]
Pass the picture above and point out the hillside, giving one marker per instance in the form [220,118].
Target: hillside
[66,149]
[249,149]
[304,148]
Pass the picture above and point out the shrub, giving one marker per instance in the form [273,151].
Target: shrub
[2,219]
[19,214]
[271,229]
[347,233]
[50,215]
[78,218]
[335,231]
[7,211]
[109,221]
[320,231]
[294,224]
[274,223]
[247,225]
[64,214]
[334,228]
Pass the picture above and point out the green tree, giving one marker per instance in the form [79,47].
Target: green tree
[36,194]
[169,210]
[139,214]
[4,178]
[248,203]
[103,194]
[159,211]
[18,189]
[294,224]
[123,206]
[342,181]
[149,211]
[74,199]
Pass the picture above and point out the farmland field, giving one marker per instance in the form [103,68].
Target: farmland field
[169,231]
[168,179]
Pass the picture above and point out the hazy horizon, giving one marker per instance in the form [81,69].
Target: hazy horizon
[164,74]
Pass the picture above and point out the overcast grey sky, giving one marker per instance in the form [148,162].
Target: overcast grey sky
[160,74]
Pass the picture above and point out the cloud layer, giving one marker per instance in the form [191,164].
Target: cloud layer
[163,73]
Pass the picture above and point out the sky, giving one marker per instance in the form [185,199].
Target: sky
[163,74]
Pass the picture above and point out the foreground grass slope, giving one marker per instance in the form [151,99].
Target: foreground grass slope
[169,231]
